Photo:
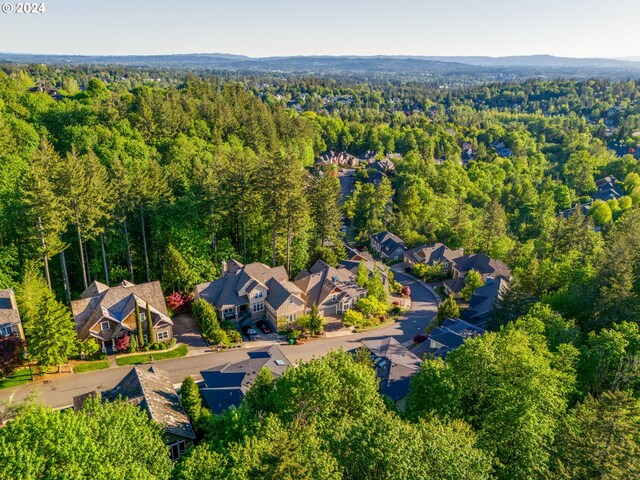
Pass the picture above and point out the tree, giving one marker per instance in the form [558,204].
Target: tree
[601,213]
[447,309]
[11,354]
[257,397]
[599,439]
[506,386]
[375,288]
[139,330]
[362,276]
[325,195]
[316,321]
[50,333]
[149,319]
[176,273]
[43,443]
[472,281]
[191,399]
[363,356]
[207,320]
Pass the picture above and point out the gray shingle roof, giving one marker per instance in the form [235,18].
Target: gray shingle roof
[483,264]
[153,391]
[225,387]
[395,365]
[431,254]
[8,308]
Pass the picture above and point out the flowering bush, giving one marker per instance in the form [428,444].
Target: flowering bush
[122,343]
[406,291]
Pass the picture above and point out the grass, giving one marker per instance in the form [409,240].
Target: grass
[91,366]
[181,351]
[20,377]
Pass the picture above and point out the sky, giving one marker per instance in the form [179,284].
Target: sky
[574,28]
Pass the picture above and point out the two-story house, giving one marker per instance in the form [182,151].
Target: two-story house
[9,316]
[253,291]
[487,267]
[332,290]
[387,246]
[437,253]
[109,313]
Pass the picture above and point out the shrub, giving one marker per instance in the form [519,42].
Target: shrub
[171,343]
[233,336]
[154,346]
[122,344]
[179,302]
[133,345]
[11,353]
[406,291]
[162,346]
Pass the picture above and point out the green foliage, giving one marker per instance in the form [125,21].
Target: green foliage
[191,399]
[447,309]
[313,322]
[139,330]
[599,438]
[375,287]
[472,281]
[44,443]
[428,273]
[505,385]
[177,276]
[207,320]
[362,276]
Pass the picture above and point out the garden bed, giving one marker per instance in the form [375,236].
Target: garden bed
[136,358]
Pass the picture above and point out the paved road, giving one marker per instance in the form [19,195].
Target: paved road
[59,393]
[347,182]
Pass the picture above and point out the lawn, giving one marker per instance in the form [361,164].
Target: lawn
[20,377]
[91,366]
[181,351]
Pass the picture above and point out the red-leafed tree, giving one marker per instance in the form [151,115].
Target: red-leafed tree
[178,302]
[11,353]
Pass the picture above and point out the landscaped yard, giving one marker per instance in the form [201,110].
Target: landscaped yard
[91,366]
[181,351]
[20,377]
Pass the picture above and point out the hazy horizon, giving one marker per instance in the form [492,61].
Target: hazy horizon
[497,28]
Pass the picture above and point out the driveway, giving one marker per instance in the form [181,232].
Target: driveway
[186,331]
[59,393]
[347,182]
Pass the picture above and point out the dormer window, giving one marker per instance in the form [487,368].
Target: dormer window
[258,294]
[104,326]
[334,297]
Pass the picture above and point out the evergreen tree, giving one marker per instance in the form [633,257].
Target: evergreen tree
[150,335]
[139,325]
[191,399]
[447,309]
[472,281]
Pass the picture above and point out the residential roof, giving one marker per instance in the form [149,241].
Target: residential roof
[225,387]
[8,308]
[99,301]
[151,389]
[448,336]
[483,300]
[395,365]
[225,291]
[388,242]
[483,264]
[322,280]
[281,291]
[431,254]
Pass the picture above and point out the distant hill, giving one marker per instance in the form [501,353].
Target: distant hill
[399,65]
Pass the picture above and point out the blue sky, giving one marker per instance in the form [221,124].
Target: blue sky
[579,28]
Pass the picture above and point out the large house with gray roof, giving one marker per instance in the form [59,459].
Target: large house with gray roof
[333,290]
[108,313]
[9,316]
[488,268]
[253,291]
[387,246]
[226,386]
[435,254]
[395,365]
[448,336]
[151,390]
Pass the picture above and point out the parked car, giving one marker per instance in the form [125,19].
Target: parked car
[249,332]
[264,326]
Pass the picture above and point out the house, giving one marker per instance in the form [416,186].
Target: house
[387,246]
[353,264]
[9,316]
[468,153]
[108,313]
[226,386]
[607,189]
[333,290]
[337,158]
[433,254]
[501,149]
[395,365]
[253,291]
[448,336]
[151,390]
[488,268]
[484,300]
[385,166]
[481,263]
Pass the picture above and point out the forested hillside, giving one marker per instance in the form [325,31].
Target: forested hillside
[116,177]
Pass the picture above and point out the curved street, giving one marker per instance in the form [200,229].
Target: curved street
[59,393]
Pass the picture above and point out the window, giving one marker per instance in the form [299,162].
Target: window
[334,297]
[257,307]
[291,317]
[143,316]
[5,331]
[163,335]
[258,294]
[177,449]
[105,326]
